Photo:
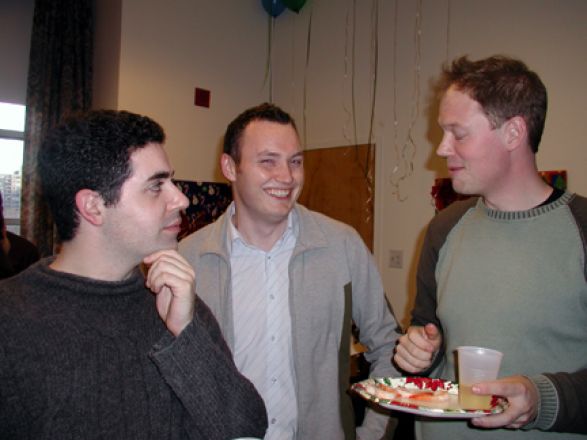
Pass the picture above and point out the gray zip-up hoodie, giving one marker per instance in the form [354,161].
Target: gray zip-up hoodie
[333,282]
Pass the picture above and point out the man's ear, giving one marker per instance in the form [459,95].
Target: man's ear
[90,206]
[228,167]
[516,132]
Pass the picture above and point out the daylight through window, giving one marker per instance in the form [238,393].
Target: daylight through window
[12,118]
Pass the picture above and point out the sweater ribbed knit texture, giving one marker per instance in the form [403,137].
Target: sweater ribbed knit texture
[87,359]
[512,281]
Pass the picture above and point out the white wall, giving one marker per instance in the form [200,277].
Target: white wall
[165,49]
[550,35]
[107,24]
[168,48]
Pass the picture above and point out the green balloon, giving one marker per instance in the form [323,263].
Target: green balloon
[294,5]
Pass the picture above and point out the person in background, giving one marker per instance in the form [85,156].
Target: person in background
[286,284]
[5,266]
[506,270]
[91,348]
[16,252]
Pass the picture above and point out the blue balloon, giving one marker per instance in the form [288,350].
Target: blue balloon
[273,7]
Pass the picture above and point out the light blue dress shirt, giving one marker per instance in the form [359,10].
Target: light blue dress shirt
[262,325]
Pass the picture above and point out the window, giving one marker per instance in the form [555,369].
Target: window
[12,117]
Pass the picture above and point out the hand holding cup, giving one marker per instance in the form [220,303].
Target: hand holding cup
[476,364]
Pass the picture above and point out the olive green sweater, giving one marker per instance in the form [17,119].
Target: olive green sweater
[515,282]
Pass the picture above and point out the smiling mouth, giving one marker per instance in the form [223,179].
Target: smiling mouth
[279,193]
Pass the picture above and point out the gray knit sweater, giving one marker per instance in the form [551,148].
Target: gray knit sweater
[87,359]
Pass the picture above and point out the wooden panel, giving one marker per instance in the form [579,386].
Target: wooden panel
[339,182]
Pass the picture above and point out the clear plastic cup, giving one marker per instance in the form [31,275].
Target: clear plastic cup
[476,364]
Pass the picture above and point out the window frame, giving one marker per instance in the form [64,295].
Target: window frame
[12,135]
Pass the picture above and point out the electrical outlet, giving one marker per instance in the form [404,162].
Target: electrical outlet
[396,259]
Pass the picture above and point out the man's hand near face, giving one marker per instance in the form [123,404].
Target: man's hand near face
[171,279]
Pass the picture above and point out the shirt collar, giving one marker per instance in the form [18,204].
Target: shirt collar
[234,235]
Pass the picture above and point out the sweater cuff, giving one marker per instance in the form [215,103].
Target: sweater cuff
[548,404]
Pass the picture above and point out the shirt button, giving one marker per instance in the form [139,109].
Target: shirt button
[271,296]
[273,420]
[272,338]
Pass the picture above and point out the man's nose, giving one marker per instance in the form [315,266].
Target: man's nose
[178,199]
[445,148]
[284,173]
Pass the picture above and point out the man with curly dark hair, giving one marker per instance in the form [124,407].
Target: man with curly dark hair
[91,348]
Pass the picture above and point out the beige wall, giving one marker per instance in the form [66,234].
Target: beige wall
[549,35]
[168,48]
[106,54]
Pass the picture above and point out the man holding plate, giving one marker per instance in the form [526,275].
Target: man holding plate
[506,270]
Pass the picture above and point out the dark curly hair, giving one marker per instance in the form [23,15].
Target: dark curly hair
[90,151]
[505,87]
[262,112]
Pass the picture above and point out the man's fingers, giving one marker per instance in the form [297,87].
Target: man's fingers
[522,398]
[168,268]
[499,388]
[492,421]
[508,419]
[418,344]
[170,256]
[410,358]
[431,332]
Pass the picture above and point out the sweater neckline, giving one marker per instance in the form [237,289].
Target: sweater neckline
[89,287]
[527,214]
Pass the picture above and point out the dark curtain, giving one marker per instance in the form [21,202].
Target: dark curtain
[59,83]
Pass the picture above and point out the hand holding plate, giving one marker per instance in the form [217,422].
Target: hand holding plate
[522,397]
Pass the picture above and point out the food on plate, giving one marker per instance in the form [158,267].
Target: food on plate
[422,395]
[383,391]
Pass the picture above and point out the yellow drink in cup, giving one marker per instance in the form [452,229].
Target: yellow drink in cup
[468,400]
[476,364]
